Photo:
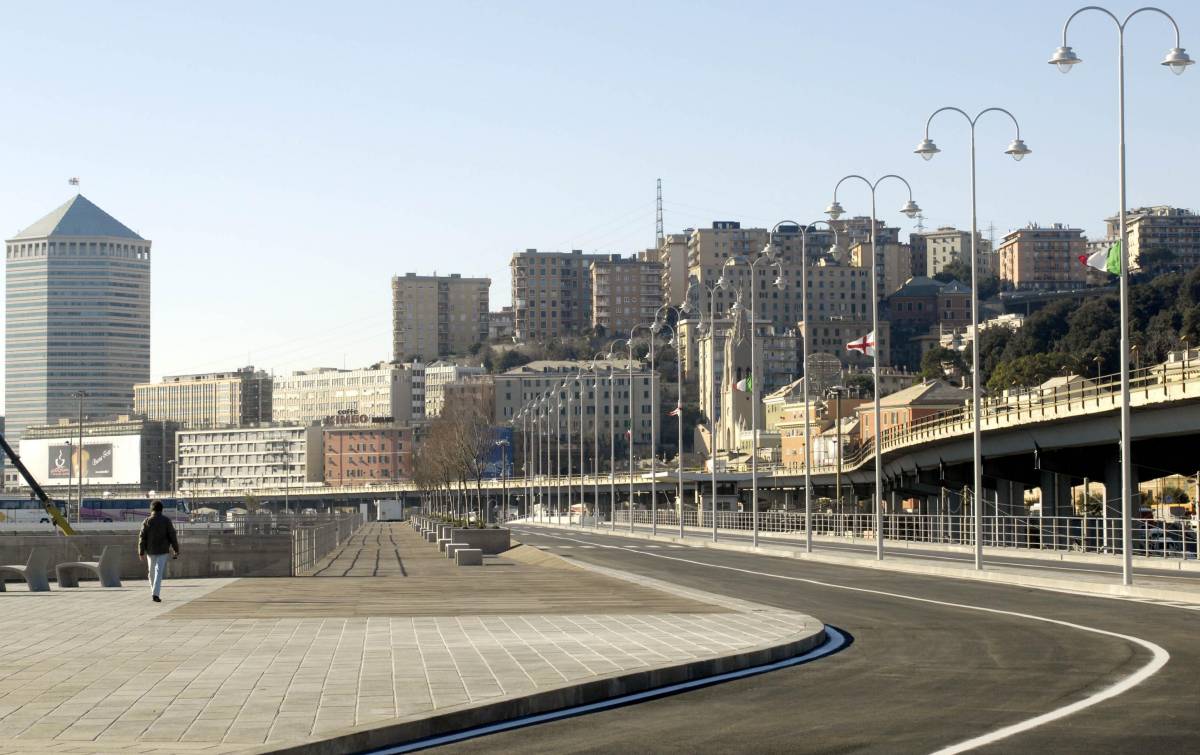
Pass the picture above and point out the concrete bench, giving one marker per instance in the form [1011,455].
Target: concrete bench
[34,572]
[451,547]
[442,541]
[430,536]
[468,557]
[107,570]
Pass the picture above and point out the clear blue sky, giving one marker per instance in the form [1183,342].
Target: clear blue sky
[288,158]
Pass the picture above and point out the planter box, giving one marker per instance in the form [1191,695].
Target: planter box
[490,542]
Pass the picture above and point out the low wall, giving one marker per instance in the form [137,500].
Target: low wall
[490,542]
[201,554]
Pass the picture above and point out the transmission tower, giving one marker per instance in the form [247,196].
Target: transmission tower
[658,221]
[920,222]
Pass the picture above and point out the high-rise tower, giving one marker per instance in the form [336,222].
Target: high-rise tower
[77,317]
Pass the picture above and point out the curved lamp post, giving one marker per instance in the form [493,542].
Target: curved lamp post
[1177,60]
[612,439]
[768,255]
[1017,150]
[712,394]
[804,229]
[596,440]
[629,344]
[835,211]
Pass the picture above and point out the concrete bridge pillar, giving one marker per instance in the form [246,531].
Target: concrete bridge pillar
[1112,488]
[1056,494]
[1009,497]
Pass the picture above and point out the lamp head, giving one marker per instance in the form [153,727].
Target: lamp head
[1177,60]
[834,210]
[1017,149]
[686,307]
[927,149]
[768,250]
[910,209]
[1064,57]
[780,283]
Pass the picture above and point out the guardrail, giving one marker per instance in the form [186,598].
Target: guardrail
[314,541]
[1165,538]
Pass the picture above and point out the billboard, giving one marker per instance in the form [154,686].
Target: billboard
[107,459]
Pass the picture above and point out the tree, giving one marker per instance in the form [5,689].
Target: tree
[1032,370]
[938,360]
[861,385]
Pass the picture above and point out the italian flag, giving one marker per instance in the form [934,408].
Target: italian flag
[1108,261]
[744,385]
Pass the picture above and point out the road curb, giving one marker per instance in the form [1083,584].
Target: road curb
[907,567]
[473,715]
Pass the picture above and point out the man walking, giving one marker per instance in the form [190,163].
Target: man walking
[155,542]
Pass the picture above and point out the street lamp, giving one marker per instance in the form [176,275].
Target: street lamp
[768,255]
[835,211]
[1177,61]
[712,394]
[582,496]
[596,440]
[629,343]
[612,438]
[1017,150]
[502,443]
[674,343]
[804,229]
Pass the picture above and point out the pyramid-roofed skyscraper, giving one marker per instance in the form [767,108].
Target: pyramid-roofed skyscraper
[77,317]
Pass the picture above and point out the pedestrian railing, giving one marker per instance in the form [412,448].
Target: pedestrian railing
[316,539]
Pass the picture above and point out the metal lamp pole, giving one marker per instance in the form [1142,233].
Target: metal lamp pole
[835,211]
[612,439]
[567,388]
[582,503]
[1177,60]
[768,255]
[596,442]
[629,343]
[808,537]
[1017,149]
[712,394]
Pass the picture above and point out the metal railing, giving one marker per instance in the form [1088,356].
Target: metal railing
[316,539]
[1160,538]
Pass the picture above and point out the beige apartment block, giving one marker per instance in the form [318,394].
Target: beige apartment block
[435,316]
[1158,230]
[1043,257]
[893,268]
[552,293]
[625,293]
[673,257]
[214,399]
[934,251]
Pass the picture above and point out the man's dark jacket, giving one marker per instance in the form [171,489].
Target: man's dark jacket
[157,536]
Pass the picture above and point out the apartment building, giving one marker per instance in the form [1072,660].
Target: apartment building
[551,293]
[214,399]
[383,390]
[893,268]
[435,316]
[1160,238]
[249,458]
[1043,257]
[367,455]
[673,258]
[625,293]
[437,375]
[934,251]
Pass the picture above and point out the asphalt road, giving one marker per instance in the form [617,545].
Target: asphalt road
[919,676]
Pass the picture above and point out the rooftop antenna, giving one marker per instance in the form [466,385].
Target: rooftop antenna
[658,220]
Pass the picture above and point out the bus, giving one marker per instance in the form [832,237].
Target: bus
[25,510]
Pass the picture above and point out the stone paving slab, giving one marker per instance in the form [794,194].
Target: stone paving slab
[107,670]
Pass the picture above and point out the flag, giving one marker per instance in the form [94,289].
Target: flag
[864,345]
[674,412]
[745,385]
[1108,260]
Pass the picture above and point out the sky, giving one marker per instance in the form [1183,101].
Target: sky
[288,158]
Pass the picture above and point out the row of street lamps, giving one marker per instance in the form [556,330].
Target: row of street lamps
[1176,60]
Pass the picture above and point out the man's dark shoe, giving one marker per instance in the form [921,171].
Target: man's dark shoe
[156,598]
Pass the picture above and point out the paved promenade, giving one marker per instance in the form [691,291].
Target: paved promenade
[254,664]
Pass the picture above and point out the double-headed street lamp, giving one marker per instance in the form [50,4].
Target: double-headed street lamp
[1177,60]
[835,211]
[767,255]
[804,229]
[712,394]
[1017,150]
[629,344]
[612,438]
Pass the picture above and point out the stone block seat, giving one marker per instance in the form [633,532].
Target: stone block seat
[34,571]
[468,556]
[107,570]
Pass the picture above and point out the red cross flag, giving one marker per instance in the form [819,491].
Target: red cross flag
[864,345]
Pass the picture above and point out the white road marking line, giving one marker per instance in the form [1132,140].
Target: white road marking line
[1159,656]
